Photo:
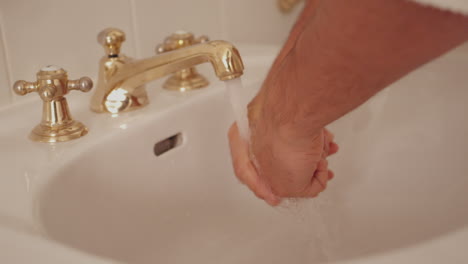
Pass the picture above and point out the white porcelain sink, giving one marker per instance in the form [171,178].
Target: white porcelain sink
[399,193]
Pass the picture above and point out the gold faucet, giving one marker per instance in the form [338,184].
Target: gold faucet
[52,85]
[121,80]
[186,79]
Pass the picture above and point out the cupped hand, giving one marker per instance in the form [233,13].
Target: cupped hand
[274,169]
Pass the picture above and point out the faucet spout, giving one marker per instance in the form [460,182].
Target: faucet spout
[224,57]
[121,79]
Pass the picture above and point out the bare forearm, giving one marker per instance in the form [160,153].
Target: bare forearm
[347,53]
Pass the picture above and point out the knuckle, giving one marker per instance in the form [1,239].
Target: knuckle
[325,163]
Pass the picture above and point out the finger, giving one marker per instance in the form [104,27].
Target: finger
[333,148]
[321,173]
[331,175]
[314,189]
[244,169]
[319,181]
[241,162]
[326,144]
[329,135]
[258,187]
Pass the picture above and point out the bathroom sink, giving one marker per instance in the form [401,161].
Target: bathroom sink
[156,185]
[120,200]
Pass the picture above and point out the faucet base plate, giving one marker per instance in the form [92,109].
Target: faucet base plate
[61,133]
[176,83]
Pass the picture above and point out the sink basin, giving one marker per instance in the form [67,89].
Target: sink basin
[121,201]
[400,186]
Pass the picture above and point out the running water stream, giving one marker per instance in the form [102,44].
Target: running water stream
[238,100]
[310,223]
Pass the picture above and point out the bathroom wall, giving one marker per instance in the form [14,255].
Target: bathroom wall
[63,32]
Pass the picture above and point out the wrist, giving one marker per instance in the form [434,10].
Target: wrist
[265,123]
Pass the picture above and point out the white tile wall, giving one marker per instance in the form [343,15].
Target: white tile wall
[63,32]
[59,32]
[257,21]
[5,90]
[155,20]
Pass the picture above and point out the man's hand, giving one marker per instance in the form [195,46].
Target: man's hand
[339,55]
[282,170]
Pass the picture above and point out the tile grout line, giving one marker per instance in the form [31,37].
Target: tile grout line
[7,59]
[134,27]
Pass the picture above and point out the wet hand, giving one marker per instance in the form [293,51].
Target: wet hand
[273,169]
